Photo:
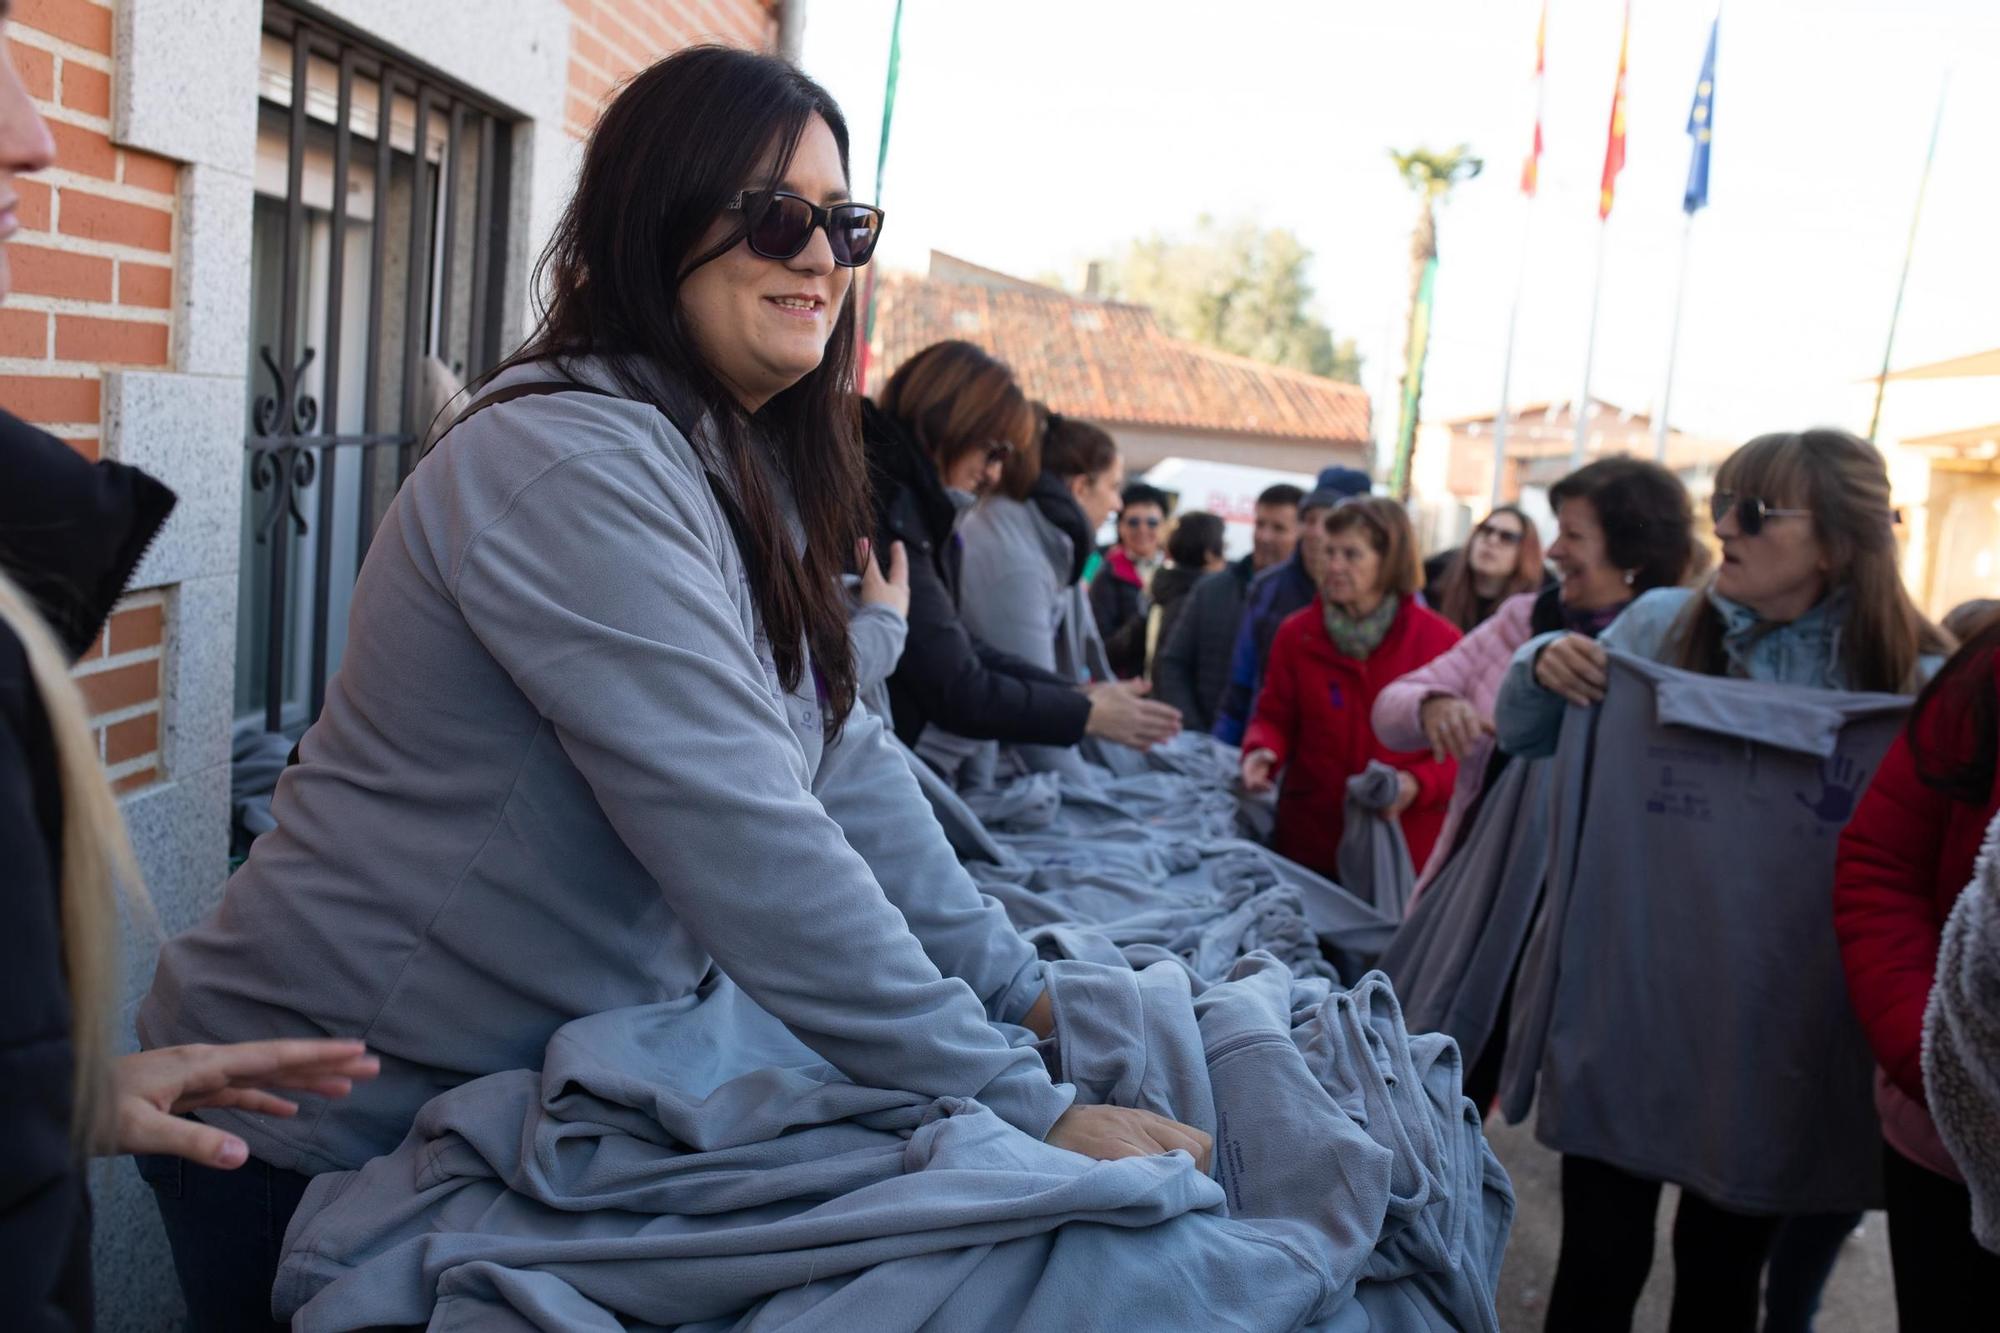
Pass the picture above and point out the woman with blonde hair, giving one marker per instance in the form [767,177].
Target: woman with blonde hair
[1807,594]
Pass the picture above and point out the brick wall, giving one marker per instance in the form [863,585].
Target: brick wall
[610,39]
[93,287]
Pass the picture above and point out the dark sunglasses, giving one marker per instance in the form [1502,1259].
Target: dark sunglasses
[1137,521]
[1750,511]
[1505,536]
[779,224]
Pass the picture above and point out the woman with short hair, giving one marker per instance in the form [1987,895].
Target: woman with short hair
[1328,663]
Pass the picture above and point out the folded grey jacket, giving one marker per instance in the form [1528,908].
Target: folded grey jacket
[1681,1004]
[690,1164]
[1455,954]
[556,774]
[1374,857]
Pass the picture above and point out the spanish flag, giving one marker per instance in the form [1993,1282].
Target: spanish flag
[1531,168]
[1614,150]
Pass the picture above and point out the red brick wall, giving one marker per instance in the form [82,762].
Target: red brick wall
[93,287]
[610,39]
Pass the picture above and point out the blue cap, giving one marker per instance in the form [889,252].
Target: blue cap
[1334,485]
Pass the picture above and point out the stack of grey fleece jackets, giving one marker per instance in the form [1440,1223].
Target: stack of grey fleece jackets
[1681,1011]
[1149,866]
[691,1165]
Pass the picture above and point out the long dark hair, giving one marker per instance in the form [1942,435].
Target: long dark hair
[1458,598]
[1843,481]
[1954,729]
[667,156]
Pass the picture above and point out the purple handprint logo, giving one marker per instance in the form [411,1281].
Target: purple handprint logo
[1840,780]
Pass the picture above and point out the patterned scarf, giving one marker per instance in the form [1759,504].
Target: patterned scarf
[1359,638]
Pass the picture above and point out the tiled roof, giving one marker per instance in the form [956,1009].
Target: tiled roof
[1110,362]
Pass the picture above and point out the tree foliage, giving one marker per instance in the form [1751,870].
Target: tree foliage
[1238,288]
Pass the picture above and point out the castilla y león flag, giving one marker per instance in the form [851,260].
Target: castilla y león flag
[1614,149]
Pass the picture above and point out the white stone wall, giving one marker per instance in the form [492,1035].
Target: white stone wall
[185,87]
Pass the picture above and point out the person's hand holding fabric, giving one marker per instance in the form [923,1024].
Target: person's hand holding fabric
[153,1090]
[892,591]
[1407,792]
[1452,726]
[1574,667]
[1119,711]
[1257,771]
[1111,1132]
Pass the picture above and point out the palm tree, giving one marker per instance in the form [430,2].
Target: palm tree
[1432,175]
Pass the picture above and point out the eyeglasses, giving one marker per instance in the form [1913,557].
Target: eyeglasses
[1505,536]
[999,452]
[779,224]
[1136,521]
[1750,511]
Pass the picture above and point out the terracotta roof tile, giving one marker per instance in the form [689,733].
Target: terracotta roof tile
[1111,362]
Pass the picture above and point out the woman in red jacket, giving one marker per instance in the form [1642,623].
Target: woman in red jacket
[1904,858]
[1328,662]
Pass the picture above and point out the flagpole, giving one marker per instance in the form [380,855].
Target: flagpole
[881,163]
[1576,448]
[1909,253]
[1660,426]
[1507,368]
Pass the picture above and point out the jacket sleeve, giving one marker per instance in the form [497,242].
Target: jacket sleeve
[1884,896]
[1232,715]
[1012,611]
[1277,706]
[1174,662]
[868,789]
[878,635]
[978,692]
[650,679]
[39,1193]
[1526,717]
[1398,715]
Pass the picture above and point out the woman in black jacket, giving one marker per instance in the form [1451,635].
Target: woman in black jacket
[71,533]
[948,421]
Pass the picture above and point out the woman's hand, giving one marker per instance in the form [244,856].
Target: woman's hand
[1406,795]
[1111,1132]
[892,591]
[1258,766]
[1452,726]
[152,1090]
[1574,667]
[1119,711]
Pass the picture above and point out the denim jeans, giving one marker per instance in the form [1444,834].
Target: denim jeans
[226,1229]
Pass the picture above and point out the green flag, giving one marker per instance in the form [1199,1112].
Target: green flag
[1413,385]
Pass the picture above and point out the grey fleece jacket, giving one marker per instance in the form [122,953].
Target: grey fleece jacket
[556,775]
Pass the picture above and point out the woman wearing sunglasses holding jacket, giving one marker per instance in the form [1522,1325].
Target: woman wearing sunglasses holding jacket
[943,432]
[595,733]
[1807,594]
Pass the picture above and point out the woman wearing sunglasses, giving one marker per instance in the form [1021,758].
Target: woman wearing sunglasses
[1623,528]
[595,731]
[1807,594]
[949,423]
[1121,585]
[1501,559]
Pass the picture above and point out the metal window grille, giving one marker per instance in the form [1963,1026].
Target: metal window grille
[381,244]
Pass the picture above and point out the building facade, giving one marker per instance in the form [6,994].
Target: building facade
[274,238]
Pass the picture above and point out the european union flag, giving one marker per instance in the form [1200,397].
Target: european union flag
[1701,128]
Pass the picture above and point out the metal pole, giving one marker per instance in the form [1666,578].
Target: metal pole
[1582,410]
[1500,421]
[1909,252]
[1673,347]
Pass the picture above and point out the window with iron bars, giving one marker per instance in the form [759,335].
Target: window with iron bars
[378,265]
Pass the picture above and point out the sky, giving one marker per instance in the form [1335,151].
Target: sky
[1035,135]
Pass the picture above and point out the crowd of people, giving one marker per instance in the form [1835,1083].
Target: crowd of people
[635,683]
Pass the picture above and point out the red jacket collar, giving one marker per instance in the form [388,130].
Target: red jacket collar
[1122,568]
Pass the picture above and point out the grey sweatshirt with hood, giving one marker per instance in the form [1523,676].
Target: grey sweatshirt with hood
[556,774]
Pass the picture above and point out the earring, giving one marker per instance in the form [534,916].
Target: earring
[1630,576]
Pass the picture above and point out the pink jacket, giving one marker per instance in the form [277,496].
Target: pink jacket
[1471,671]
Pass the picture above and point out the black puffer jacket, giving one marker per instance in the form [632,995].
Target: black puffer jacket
[70,535]
[946,676]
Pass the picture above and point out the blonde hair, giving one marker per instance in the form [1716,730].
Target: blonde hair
[97,865]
